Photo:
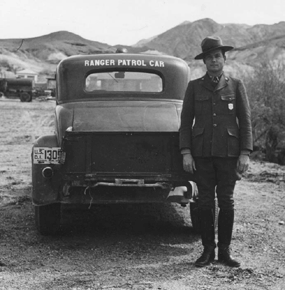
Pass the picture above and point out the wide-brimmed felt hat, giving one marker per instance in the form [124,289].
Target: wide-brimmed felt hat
[211,43]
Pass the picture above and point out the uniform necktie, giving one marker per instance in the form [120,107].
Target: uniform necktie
[215,79]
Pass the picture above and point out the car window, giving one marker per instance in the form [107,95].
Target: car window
[123,81]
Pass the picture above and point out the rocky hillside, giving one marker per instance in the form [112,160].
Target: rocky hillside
[184,40]
[41,54]
[254,46]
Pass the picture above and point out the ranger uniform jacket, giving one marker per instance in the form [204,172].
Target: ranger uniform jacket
[216,121]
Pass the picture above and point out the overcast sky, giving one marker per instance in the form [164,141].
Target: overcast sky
[127,21]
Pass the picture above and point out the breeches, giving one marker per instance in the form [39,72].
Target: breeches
[216,176]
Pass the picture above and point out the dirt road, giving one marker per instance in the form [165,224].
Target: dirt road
[128,247]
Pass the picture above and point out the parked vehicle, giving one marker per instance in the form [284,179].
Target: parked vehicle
[45,89]
[116,135]
[21,88]
[51,84]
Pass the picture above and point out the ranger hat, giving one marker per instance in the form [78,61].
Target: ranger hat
[211,43]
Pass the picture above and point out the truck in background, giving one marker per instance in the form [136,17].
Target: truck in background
[21,88]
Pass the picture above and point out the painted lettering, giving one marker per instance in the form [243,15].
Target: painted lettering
[123,62]
[156,63]
[131,62]
[99,62]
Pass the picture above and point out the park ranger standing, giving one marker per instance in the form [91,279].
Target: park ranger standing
[215,140]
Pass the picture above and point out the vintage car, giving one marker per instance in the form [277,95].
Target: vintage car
[116,135]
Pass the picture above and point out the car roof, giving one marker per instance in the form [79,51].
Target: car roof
[72,71]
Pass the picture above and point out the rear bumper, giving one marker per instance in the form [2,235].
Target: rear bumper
[126,179]
[110,187]
[122,188]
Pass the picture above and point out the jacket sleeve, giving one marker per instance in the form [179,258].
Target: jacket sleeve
[244,118]
[187,117]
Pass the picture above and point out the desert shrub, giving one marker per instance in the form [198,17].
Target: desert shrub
[266,91]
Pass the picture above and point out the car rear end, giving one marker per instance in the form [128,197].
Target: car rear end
[117,119]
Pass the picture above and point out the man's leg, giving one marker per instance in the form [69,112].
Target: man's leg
[205,179]
[226,179]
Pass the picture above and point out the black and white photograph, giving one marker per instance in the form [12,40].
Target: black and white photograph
[142,145]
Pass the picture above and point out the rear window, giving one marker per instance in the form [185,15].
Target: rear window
[124,81]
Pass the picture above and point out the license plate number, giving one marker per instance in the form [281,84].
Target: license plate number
[46,155]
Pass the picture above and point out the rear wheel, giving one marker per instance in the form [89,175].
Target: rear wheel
[47,218]
[25,97]
[194,214]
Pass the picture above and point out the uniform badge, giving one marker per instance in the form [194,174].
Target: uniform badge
[231,106]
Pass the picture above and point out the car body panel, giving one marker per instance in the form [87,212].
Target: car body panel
[115,145]
[44,189]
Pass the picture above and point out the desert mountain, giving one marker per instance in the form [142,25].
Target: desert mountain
[184,40]
[254,46]
[41,54]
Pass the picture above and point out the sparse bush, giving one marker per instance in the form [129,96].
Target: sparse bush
[266,91]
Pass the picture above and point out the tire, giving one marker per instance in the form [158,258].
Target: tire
[194,214]
[25,97]
[47,218]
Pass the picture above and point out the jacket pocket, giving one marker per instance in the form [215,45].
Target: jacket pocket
[228,103]
[197,131]
[228,98]
[200,103]
[233,142]
[197,141]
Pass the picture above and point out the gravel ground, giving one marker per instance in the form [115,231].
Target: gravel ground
[128,247]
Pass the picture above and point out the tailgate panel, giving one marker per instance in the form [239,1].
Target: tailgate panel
[122,152]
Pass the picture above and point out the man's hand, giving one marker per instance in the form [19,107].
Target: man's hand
[188,163]
[243,163]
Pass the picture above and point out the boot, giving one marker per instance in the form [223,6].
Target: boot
[225,229]
[206,217]
[2,264]
[225,257]
[206,258]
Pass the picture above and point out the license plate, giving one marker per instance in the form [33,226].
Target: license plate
[47,155]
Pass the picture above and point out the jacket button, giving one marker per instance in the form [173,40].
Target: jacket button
[214,114]
[215,125]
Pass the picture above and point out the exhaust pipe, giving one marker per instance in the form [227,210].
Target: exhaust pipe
[47,172]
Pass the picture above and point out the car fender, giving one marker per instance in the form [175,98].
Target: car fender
[45,190]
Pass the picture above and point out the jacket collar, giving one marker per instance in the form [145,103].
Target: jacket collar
[205,81]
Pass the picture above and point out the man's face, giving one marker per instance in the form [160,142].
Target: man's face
[215,62]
